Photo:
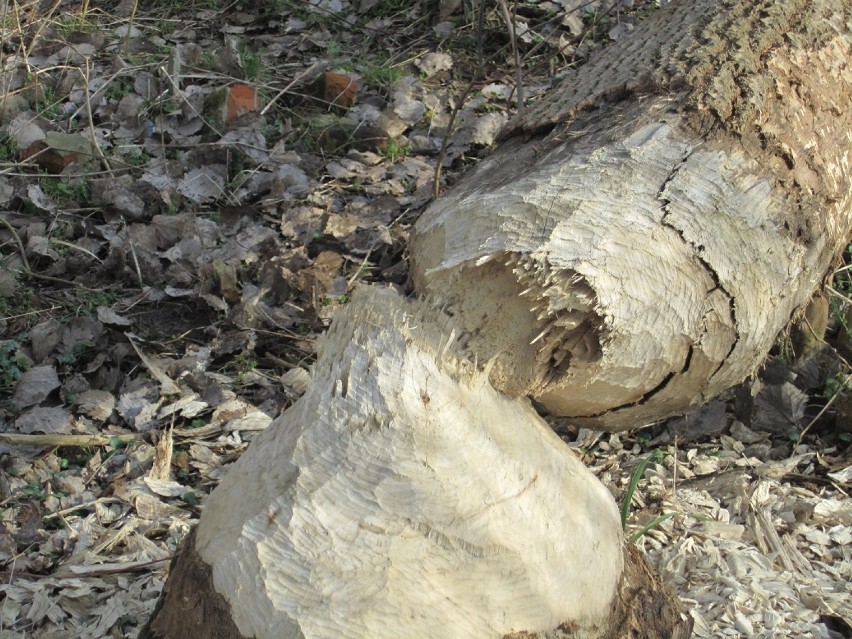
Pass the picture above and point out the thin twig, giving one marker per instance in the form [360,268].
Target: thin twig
[519,85]
[292,83]
[838,294]
[74,247]
[675,469]
[360,270]
[42,23]
[87,77]
[18,243]
[82,505]
[824,408]
[130,22]
[439,165]
[88,572]
[133,254]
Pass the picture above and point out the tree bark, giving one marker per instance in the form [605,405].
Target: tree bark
[403,496]
[650,227]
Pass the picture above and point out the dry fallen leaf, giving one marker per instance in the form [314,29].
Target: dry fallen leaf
[43,419]
[96,404]
[35,385]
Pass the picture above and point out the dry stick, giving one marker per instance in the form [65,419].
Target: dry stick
[839,294]
[92,571]
[35,312]
[439,165]
[480,27]
[74,247]
[109,80]
[278,95]
[82,505]
[519,86]
[133,254]
[436,182]
[360,269]
[824,408]
[130,26]
[54,440]
[100,151]
[174,83]
[20,439]
[116,568]
[837,393]
[3,20]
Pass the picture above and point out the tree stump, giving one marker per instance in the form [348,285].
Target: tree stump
[403,496]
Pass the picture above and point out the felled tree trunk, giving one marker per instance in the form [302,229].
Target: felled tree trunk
[656,220]
[402,496]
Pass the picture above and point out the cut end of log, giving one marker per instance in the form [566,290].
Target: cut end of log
[564,306]
[530,321]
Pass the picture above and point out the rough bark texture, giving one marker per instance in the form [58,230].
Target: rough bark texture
[189,606]
[658,219]
[403,496]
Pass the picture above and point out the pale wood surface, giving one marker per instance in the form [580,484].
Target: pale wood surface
[403,492]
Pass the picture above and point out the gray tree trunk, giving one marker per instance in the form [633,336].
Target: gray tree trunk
[653,224]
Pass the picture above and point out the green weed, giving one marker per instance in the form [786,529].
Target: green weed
[117,443]
[379,72]
[190,499]
[47,104]
[70,358]
[833,385]
[656,521]
[635,478]
[339,299]
[251,61]
[73,26]
[273,132]
[242,366]
[16,304]
[12,366]
[333,48]
[118,90]
[8,147]
[842,293]
[68,193]
[388,8]
[395,151]
[34,490]
[92,299]
[137,157]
